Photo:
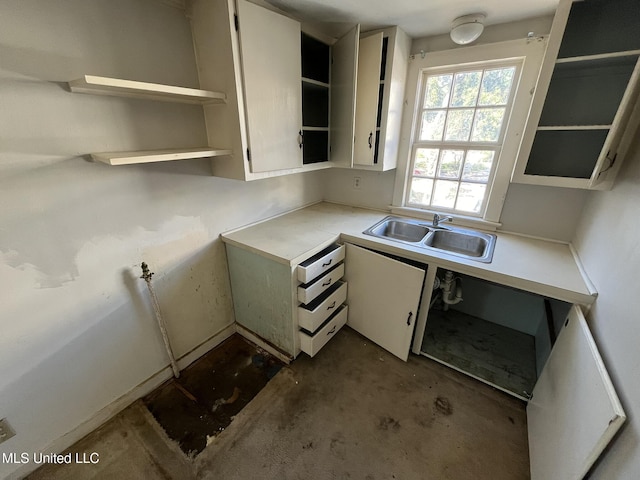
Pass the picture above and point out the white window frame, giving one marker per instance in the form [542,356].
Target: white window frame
[529,52]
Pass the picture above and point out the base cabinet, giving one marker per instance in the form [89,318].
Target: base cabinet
[537,349]
[293,308]
[574,407]
[383,298]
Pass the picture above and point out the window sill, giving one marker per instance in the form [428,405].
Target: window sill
[459,220]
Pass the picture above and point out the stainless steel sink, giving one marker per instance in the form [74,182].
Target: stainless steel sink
[469,244]
[461,242]
[400,230]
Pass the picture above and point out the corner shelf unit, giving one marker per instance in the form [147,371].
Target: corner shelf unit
[148,91]
[97,85]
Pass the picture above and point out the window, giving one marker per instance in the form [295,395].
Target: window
[470,108]
[463,117]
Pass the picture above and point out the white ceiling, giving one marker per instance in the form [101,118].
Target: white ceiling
[419,18]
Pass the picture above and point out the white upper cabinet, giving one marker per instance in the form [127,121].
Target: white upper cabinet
[585,110]
[369,59]
[271,69]
[344,54]
[383,59]
[254,53]
[296,103]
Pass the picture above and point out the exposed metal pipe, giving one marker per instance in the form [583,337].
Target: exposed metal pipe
[146,276]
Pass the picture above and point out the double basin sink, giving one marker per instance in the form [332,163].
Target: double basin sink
[456,241]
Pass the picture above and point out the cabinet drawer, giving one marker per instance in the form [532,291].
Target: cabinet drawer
[311,344]
[320,263]
[307,292]
[312,316]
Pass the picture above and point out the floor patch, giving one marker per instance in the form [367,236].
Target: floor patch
[209,393]
[443,406]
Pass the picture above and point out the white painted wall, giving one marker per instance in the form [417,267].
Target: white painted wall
[532,210]
[608,243]
[376,188]
[76,328]
[547,212]
[511,308]
[491,34]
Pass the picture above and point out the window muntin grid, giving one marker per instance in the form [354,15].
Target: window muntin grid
[460,129]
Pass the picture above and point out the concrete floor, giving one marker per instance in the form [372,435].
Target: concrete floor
[353,411]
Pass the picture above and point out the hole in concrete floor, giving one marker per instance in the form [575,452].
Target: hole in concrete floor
[210,392]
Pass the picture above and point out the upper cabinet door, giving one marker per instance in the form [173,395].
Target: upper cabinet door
[574,411]
[271,70]
[343,97]
[582,120]
[368,87]
[383,296]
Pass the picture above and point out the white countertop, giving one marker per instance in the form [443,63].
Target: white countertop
[539,266]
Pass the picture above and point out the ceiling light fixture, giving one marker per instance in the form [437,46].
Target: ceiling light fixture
[467,28]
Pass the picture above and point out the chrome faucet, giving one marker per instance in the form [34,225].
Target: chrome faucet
[441,218]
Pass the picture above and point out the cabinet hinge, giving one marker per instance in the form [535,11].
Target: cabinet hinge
[612,161]
[248,155]
[235,21]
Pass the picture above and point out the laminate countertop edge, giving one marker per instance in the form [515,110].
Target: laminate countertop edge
[544,267]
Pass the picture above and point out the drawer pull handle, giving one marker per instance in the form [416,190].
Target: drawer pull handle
[332,330]
[328,263]
[332,305]
[328,282]
[370,138]
[409,318]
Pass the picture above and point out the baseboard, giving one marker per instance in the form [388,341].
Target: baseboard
[252,337]
[85,428]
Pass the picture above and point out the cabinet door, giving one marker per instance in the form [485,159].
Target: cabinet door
[271,69]
[383,298]
[574,411]
[343,97]
[368,89]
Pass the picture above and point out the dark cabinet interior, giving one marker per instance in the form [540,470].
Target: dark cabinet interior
[596,63]
[316,69]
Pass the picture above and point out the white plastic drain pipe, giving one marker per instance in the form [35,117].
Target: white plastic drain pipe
[451,290]
[146,276]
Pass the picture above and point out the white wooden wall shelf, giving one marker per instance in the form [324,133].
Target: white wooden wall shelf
[150,91]
[149,156]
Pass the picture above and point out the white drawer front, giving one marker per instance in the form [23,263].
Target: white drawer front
[313,267]
[311,319]
[312,344]
[307,293]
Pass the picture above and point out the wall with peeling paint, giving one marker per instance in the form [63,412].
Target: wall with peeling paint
[76,327]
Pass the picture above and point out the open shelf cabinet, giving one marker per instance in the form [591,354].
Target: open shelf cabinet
[586,115]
